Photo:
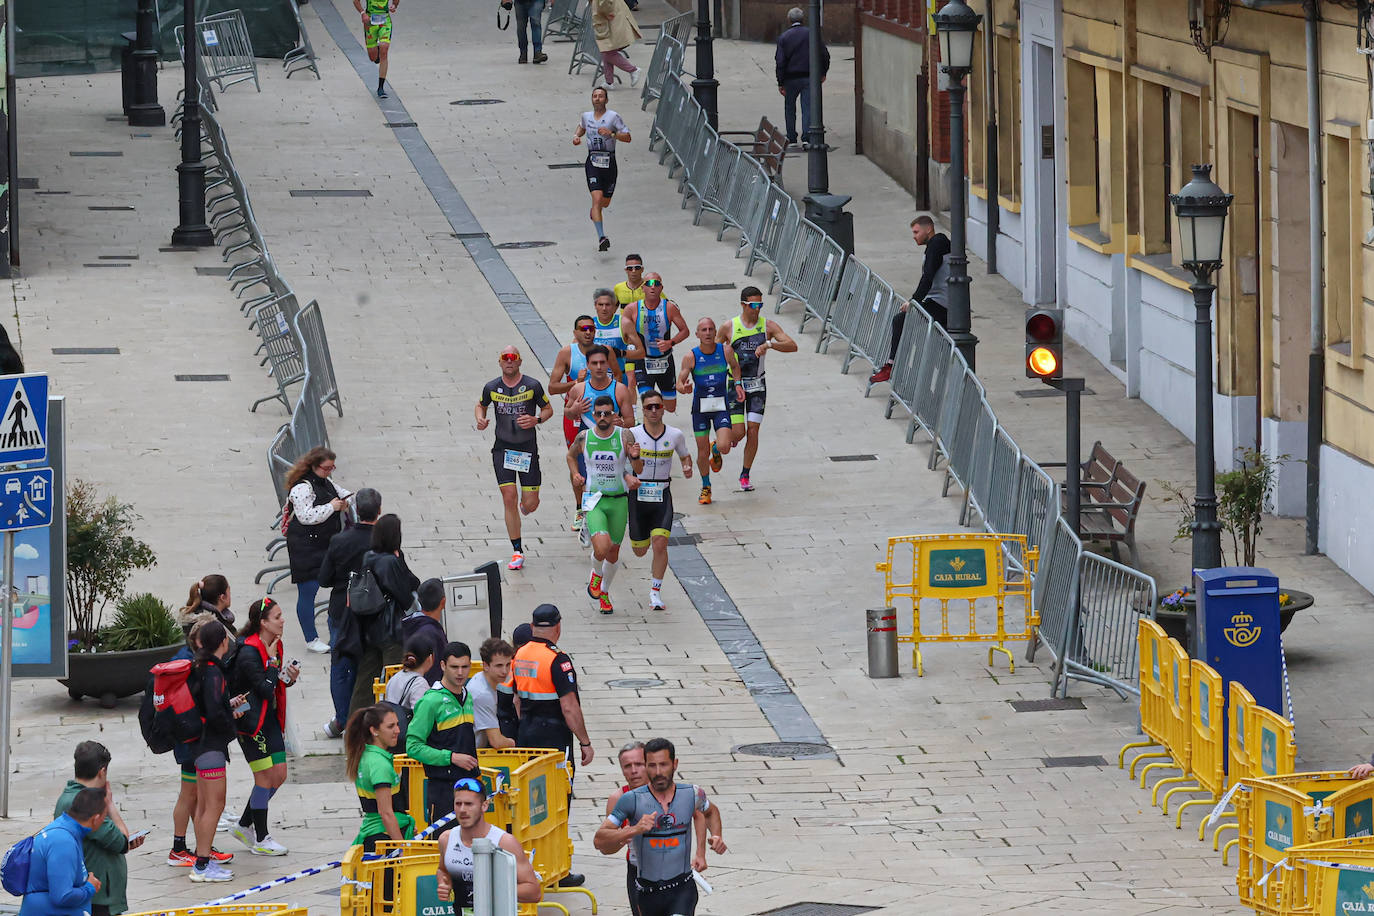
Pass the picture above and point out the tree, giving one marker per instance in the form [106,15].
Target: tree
[102,555]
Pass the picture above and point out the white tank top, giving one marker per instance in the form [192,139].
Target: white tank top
[458,862]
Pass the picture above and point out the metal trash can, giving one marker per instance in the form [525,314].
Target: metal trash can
[827,211]
[882,642]
[1238,629]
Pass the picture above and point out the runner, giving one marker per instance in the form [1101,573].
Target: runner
[602,127]
[455,845]
[613,463]
[708,369]
[577,405]
[610,336]
[569,368]
[655,819]
[651,503]
[515,454]
[647,326]
[377,35]
[751,336]
[631,289]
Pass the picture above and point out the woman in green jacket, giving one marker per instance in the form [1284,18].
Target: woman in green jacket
[368,742]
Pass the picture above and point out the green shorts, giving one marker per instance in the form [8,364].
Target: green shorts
[609,516]
[378,34]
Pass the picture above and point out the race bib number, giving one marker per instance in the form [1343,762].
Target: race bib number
[655,365]
[589,501]
[378,19]
[601,160]
[712,405]
[517,461]
[651,491]
[752,385]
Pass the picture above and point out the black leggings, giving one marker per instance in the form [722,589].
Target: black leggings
[632,889]
[679,899]
[937,312]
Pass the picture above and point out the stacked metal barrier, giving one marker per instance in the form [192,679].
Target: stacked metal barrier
[302,56]
[564,20]
[1088,606]
[585,52]
[226,50]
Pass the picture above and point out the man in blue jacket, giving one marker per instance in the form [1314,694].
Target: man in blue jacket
[59,884]
[793,66]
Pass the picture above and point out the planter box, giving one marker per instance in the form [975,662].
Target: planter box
[111,675]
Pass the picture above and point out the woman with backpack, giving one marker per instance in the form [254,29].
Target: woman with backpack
[209,598]
[184,753]
[262,677]
[217,712]
[405,687]
[369,742]
[314,513]
[380,632]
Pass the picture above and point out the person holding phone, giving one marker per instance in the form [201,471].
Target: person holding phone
[105,847]
[217,711]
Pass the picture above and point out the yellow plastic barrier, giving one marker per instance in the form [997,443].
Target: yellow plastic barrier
[1352,810]
[1272,735]
[1174,729]
[1238,757]
[231,909]
[431,848]
[966,567]
[1339,875]
[1207,752]
[379,683]
[401,886]
[1150,638]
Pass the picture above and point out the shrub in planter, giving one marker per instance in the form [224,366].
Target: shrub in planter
[141,622]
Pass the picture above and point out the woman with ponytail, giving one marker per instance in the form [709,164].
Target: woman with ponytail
[405,687]
[369,742]
[217,710]
[209,599]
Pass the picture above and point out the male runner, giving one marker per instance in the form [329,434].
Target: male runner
[751,336]
[651,503]
[569,368]
[602,127]
[654,819]
[377,35]
[706,374]
[652,327]
[609,335]
[577,405]
[613,464]
[521,405]
[455,850]
[631,289]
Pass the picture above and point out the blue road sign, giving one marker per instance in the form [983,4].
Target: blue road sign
[25,499]
[23,418]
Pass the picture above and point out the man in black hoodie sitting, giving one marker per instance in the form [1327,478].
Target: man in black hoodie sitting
[345,556]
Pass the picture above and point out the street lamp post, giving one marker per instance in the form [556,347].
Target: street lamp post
[824,209]
[145,111]
[956,26]
[192,231]
[705,85]
[1201,209]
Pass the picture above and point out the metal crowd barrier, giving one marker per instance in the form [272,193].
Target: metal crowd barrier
[302,56]
[776,233]
[668,58]
[310,326]
[564,20]
[811,273]
[226,49]
[844,317]
[585,51]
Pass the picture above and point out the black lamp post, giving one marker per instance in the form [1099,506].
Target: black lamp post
[145,111]
[824,209]
[705,84]
[192,231]
[956,26]
[1201,208]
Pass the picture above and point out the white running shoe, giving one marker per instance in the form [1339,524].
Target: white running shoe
[267,847]
[212,872]
[241,834]
[318,646]
[634,78]
[584,537]
[656,600]
[227,821]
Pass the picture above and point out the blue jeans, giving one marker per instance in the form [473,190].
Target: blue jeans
[305,608]
[793,87]
[343,670]
[529,14]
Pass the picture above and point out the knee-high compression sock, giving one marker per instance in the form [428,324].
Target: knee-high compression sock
[247,817]
[257,802]
[600,232]
[608,568]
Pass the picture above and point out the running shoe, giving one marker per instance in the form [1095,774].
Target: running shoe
[381,94]
[605,244]
[317,645]
[580,521]
[332,729]
[216,856]
[584,537]
[605,600]
[182,859]
[717,462]
[705,498]
[213,872]
[634,78]
[517,560]
[267,847]
[656,600]
[881,375]
[227,821]
[540,57]
[744,483]
[594,586]
[241,834]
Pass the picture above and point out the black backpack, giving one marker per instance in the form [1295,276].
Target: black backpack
[365,595]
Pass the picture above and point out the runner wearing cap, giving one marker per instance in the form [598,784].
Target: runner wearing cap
[612,463]
[521,406]
[651,503]
[455,846]
[706,374]
[751,336]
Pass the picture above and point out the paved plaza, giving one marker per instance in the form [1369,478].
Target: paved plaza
[938,798]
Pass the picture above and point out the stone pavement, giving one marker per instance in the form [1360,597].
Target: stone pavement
[938,801]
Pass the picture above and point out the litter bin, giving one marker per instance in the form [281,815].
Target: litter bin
[827,212]
[882,642]
[1238,630]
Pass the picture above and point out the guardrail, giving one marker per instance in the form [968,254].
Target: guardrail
[1087,605]
[302,56]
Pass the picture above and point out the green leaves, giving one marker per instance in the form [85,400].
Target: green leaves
[102,554]
[141,622]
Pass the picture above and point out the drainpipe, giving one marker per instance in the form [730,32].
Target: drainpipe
[990,151]
[1316,369]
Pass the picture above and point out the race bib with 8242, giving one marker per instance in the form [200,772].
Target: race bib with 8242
[651,491]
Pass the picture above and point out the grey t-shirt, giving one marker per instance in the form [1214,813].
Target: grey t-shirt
[483,707]
[665,852]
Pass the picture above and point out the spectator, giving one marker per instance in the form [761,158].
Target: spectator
[369,743]
[105,846]
[483,686]
[343,558]
[185,756]
[427,624]
[314,513]
[405,687]
[440,735]
[792,61]
[208,600]
[529,18]
[217,710]
[615,29]
[932,293]
[506,713]
[380,634]
[10,361]
[59,884]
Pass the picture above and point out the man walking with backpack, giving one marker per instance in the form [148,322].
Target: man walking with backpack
[441,734]
[52,875]
[343,558]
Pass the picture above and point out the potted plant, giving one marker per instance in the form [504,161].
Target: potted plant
[1241,495]
[102,554]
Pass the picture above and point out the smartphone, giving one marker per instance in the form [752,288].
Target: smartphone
[242,707]
[138,836]
[296,663]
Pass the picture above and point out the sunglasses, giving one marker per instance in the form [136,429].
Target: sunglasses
[603,413]
[469,785]
[634,266]
[653,282]
[653,406]
[586,327]
[509,358]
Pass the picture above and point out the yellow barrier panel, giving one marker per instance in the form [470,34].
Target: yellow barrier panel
[967,567]
[379,683]
[1174,730]
[231,909]
[1339,876]
[415,848]
[1274,814]
[1238,755]
[413,786]
[1352,810]
[1272,735]
[1150,637]
[1207,752]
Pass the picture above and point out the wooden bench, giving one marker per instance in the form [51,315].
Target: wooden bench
[1110,497]
[768,145]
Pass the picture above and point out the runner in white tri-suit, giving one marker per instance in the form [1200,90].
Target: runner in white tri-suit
[601,127]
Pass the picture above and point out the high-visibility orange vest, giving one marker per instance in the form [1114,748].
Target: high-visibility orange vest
[532,671]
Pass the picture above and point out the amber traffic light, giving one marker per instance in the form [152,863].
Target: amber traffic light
[1044,343]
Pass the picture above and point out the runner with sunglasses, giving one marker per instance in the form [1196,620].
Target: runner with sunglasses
[578,406]
[521,406]
[569,368]
[750,335]
[651,503]
[612,464]
[454,877]
[652,328]
[631,289]
[706,375]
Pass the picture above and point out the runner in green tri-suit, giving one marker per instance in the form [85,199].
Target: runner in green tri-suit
[377,34]
[613,463]
[750,335]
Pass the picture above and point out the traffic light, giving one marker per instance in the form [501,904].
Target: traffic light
[1044,343]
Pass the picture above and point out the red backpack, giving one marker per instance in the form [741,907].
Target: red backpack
[175,718]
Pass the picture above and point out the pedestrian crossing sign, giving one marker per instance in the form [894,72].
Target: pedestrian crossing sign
[23,418]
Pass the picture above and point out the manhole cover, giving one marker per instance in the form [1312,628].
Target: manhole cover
[509,245]
[477,101]
[708,287]
[398,124]
[566,165]
[853,457]
[1050,705]
[684,540]
[1093,761]
[819,909]
[635,683]
[798,749]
